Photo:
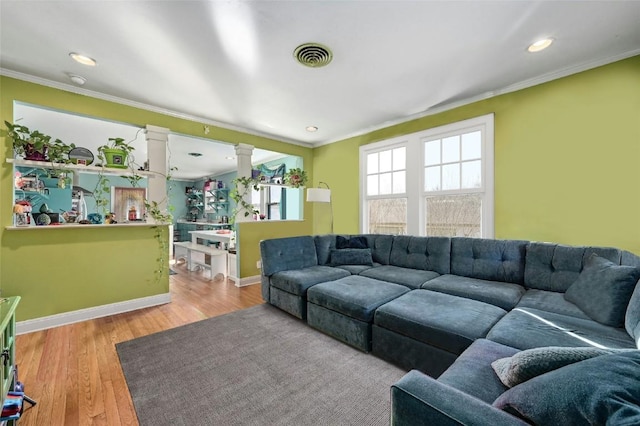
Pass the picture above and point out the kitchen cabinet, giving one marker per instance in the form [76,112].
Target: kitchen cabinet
[216,201]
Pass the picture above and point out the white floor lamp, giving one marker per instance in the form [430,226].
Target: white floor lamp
[321,195]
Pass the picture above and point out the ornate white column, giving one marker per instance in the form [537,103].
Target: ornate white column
[243,155]
[157,142]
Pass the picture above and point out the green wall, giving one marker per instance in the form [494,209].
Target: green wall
[566,160]
[62,270]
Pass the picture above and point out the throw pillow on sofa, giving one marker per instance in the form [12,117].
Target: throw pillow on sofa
[530,363]
[600,390]
[603,290]
[353,242]
[350,256]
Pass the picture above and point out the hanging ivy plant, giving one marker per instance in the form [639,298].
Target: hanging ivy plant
[243,187]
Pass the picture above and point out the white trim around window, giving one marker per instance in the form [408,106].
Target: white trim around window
[416,192]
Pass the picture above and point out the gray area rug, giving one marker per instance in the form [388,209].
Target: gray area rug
[257,366]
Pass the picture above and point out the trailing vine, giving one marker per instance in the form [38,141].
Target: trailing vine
[243,187]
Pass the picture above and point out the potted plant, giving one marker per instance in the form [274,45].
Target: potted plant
[35,145]
[295,178]
[115,153]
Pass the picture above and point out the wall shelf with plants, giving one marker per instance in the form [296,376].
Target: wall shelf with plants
[80,167]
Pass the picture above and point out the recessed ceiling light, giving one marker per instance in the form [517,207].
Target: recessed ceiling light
[312,129]
[79,80]
[84,60]
[540,45]
[195,154]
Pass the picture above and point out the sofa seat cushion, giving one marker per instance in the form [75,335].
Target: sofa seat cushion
[354,296]
[441,320]
[550,301]
[472,374]
[501,294]
[600,390]
[298,281]
[412,278]
[526,328]
[354,269]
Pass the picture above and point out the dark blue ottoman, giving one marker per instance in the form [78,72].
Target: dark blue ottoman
[344,308]
[430,328]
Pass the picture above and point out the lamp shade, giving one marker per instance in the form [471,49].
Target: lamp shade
[318,195]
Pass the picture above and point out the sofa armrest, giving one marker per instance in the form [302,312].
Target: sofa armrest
[419,399]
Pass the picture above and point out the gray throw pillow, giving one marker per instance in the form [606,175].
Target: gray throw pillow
[530,363]
[597,391]
[351,256]
[603,289]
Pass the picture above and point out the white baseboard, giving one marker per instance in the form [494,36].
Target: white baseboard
[243,282]
[65,318]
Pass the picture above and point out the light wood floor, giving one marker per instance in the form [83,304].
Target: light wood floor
[73,372]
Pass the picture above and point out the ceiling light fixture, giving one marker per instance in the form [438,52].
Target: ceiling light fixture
[312,129]
[540,45]
[195,154]
[82,59]
[76,79]
[230,158]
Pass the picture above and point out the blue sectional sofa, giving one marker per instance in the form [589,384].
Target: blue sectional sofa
[491,331]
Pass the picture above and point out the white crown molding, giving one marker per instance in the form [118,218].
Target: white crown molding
[98,95]
[66,318]
[564,72]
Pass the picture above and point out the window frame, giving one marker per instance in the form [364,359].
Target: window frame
[415,190]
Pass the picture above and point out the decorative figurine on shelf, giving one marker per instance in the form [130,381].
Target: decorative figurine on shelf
[110,218]
[133,214]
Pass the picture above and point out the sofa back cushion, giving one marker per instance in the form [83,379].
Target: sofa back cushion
[284,254]
[494,260]
[324,245]
[426,253]
[632,317]
[555,267]
[380,245]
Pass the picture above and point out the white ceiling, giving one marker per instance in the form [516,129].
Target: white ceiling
[231,62]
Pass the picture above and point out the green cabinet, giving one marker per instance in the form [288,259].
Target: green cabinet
[7,343]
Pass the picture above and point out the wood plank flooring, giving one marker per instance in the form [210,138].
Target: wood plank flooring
[73,372]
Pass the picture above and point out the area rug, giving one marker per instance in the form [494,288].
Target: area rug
[257,366]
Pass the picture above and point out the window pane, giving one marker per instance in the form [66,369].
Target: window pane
[471,146]
[385,161]
[451,149]
[432,153]
[472,174]
[432,178]
[255,197]
[388,216]
[274,212]
[385,183]
[399,158]
[275,193]
[372,185]
[454,215]
[451,176]
[399,182]
[372,163]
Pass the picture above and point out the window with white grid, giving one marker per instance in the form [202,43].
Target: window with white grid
[434,182]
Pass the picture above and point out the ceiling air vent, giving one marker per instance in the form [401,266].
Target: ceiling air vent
[313,55]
